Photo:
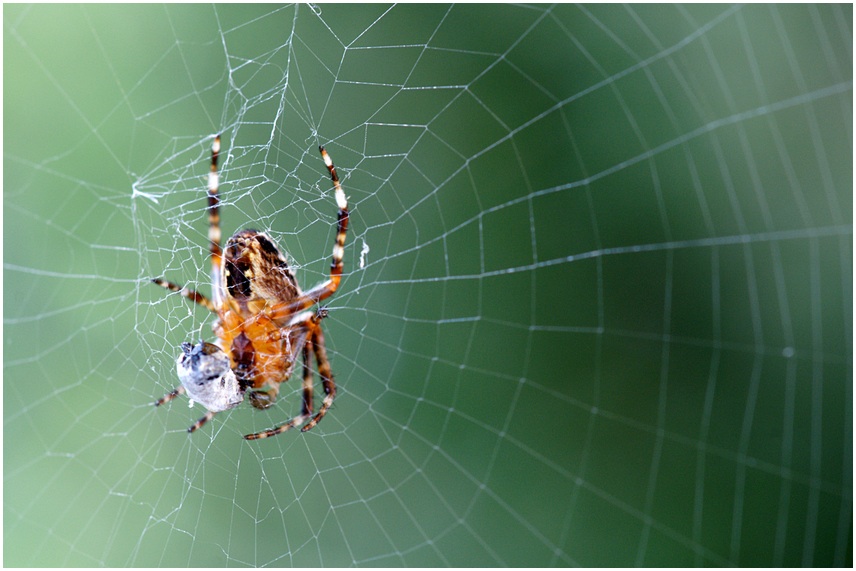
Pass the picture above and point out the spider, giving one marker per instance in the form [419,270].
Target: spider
[263,321]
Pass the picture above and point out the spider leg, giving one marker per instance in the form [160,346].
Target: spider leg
[180,391]
[198,424]
[326,377]
[170,396]
[214,234]
[190,294]
[308,390]
[328,288]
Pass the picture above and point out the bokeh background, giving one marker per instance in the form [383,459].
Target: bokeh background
[597,304]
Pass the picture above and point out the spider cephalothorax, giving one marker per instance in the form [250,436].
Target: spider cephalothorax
[263,321]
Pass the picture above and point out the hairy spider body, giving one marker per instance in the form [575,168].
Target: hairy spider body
[263,322]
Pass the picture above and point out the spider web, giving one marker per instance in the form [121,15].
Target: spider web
[597,297]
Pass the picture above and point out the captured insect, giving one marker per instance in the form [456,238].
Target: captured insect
[264,321]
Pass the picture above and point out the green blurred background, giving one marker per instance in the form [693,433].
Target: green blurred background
[597,304]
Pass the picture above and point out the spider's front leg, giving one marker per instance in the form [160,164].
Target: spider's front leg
[184,291]
[284,311]
[180,391]
[198,424]
[166,398]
